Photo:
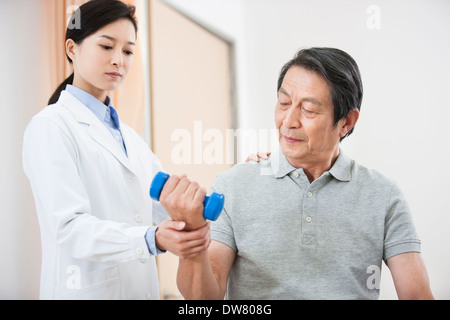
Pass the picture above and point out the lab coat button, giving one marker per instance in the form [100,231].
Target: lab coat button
[142,260]
[138,218]
[148,296]
[139,251]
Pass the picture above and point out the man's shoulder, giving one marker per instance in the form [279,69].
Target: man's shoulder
[369,176]
[243,171]
[245,175]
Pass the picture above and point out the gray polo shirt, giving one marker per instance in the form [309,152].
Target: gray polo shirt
[324,240]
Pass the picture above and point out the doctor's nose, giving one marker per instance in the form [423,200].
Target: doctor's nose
[117,59]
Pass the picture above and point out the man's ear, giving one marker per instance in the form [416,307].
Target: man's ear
[70,48]
[349,122]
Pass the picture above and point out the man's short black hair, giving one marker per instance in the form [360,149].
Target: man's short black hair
[341,73]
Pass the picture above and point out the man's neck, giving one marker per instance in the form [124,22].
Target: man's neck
[315,168]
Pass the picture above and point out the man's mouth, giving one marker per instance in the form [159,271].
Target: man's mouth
[289,139]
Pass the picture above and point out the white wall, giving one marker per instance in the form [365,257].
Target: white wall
[406,73]
[20,251]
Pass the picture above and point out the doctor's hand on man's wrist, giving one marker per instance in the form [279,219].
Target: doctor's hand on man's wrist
[171,236]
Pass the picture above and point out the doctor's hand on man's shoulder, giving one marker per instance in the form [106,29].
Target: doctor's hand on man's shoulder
[171,236]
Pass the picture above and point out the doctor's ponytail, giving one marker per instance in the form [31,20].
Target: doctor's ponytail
[93,15]
[54,98]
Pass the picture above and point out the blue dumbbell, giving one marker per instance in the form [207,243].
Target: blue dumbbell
[213,204]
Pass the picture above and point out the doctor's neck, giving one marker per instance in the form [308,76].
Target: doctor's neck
[97,93]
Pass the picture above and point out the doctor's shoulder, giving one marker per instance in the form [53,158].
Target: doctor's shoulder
[50,120]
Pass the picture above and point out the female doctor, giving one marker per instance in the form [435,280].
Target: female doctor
[90,174]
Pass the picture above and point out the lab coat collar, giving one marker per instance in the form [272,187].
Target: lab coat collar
[96,129]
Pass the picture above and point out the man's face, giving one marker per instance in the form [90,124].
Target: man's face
[304,116]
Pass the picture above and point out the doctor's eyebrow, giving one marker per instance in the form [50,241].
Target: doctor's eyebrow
[114,39]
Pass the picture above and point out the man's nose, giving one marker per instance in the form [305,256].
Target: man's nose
[292,118]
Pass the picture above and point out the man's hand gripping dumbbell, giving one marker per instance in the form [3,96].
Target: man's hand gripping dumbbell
[185,200]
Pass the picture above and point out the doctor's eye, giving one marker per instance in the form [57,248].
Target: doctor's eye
[106,47]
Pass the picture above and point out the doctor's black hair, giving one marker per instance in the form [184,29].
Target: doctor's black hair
[340,71]
[92,16]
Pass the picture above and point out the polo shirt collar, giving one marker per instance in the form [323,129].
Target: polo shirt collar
[282,167]
[341,170]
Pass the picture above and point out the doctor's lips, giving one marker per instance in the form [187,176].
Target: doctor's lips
[114,75]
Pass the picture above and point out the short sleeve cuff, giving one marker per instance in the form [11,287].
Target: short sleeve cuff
[403,247]
[225,238]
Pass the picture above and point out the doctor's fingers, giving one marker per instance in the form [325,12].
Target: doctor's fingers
[192,248]
[188,236]
[195,251]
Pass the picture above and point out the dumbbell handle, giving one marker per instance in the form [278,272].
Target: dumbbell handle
[213,204]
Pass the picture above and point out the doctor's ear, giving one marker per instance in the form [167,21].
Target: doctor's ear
[70,49]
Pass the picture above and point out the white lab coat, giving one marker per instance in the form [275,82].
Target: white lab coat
[93,205]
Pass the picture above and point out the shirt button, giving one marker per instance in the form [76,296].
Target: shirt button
[308,219]
[296,174]
[310,194]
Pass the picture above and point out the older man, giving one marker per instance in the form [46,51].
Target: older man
[320,225]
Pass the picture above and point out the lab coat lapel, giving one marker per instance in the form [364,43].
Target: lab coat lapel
[96,129]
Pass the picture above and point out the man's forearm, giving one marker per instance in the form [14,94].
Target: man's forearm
[196,280]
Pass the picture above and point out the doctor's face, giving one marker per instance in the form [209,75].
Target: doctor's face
[102,61]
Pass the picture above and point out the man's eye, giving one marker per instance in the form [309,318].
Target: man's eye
[307,111]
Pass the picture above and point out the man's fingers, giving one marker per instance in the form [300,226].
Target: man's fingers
[170,185]
[199,195]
